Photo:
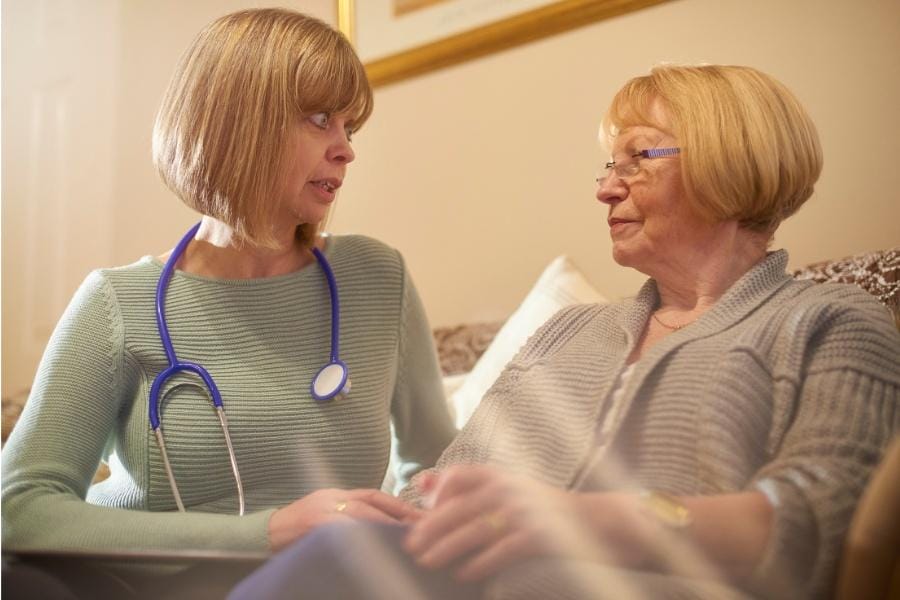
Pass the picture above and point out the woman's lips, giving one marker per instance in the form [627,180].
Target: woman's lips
[326,188]
[616,225]
[327,183]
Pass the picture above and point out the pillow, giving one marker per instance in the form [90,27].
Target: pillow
[451,384]
[560,285]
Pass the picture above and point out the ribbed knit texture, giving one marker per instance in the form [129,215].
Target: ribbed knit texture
[262,341]
[786,384]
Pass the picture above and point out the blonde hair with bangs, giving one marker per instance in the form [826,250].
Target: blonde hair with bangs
[220,134]
[750,151]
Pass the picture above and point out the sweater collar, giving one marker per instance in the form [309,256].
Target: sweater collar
[747,293]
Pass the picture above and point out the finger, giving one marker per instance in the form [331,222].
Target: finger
[457,481]
[412,519]
[495,557]
[366,512]
[386,503]
[470,537]
[426,481]
[439,522]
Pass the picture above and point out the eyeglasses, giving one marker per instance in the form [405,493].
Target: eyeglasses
[630,168]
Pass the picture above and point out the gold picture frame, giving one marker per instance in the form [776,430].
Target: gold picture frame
[483,38]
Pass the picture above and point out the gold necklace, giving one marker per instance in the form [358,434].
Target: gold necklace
[671,327]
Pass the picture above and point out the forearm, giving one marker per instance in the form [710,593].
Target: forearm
[41,519]
[731,529]
[727,533]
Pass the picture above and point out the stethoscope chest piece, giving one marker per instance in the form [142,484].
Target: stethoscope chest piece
[331,381]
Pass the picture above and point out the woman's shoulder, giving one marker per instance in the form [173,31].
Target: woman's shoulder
[143,269]
[98,301]
[841,302]
[361,263]
[104,281]
[841,324]
[362,249]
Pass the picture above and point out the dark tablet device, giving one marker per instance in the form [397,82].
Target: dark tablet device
[126,574]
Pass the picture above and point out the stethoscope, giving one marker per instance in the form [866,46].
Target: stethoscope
[332,380]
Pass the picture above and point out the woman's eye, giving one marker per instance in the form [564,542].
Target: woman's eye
[349,131]
[320,120]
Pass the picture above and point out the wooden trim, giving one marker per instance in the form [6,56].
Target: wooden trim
[513,31]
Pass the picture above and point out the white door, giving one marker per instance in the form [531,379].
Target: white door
[59,63]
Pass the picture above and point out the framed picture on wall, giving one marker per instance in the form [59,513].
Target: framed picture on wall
[397,39]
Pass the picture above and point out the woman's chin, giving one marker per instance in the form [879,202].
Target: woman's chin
[622,254]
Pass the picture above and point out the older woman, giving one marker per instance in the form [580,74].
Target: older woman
[721,424]
[708,437]
[253,309]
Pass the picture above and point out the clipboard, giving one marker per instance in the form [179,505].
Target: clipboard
[132,574]
[138,556]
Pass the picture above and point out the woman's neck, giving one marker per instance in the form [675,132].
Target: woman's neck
[691,285]
[217,251]
[696,281]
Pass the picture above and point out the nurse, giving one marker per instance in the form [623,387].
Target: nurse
[254,133]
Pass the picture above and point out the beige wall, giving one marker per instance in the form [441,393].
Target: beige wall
[483,172]
[480,173]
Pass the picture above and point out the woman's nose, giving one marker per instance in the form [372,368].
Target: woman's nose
[611,189]
[341,150]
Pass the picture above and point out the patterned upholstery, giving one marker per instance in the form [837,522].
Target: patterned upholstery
[876,272]
[12,408]
[460,347]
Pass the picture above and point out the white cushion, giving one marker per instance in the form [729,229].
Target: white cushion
[560,285]
[452,383]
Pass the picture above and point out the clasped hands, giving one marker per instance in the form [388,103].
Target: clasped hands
[480,520]
[324,506]
[477,520]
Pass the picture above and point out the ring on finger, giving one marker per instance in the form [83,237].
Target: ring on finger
[495,521]
[340,506]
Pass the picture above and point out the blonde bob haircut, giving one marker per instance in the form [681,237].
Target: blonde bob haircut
[221,130]
[749,150]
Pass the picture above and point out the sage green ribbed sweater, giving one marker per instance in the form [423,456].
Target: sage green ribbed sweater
[262,340]
[786,386]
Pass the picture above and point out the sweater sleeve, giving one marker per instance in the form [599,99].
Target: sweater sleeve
[843,410]
[421,421]
[54,450]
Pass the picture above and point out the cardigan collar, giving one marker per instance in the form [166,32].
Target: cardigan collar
[748,292]
[745,295]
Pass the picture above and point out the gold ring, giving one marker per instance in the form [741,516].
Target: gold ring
[495,521]
[340,506]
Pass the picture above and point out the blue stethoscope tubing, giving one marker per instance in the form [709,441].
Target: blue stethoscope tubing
[332,380]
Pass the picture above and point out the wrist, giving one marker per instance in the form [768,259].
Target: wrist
[625,533]
[276,530]
[666,509]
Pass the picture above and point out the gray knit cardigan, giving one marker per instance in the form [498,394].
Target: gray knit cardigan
[789,387]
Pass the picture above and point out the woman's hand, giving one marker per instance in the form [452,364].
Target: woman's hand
[296,519]
[483,519]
